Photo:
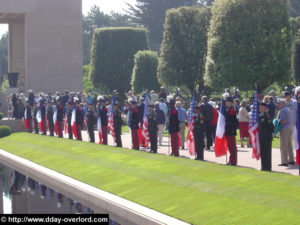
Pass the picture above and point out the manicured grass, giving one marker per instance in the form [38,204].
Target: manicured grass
[193,191]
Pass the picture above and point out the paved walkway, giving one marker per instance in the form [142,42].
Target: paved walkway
[244,154]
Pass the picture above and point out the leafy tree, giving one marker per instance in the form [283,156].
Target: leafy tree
[112,56]
[4,54]
[184,47]
[295,24]
[296,60]
[97,19]
[144,71]
[151,14]
[294,8]
[249,41]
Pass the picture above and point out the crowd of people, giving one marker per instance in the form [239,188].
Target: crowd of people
[71,112]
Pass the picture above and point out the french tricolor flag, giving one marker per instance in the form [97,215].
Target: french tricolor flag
[297,129]
[73,122]
[99,126]
[221,141]
[56,128]
[39,119]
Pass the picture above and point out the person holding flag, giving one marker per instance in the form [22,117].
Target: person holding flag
[28,117]
[58,123]
[104,120]
[91,121]
[77,119]
[152,127]
[134,125]
[41,117]
[68,119]
[199,130]
[50,118]
[266,129]
[173,128]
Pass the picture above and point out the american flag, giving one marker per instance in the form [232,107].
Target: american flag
[190,136]
[145,132]
[253,129]
[111,124]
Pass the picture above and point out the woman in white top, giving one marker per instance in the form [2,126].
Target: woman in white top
[244,119]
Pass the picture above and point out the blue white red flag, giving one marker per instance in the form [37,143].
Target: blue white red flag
[254,130]
[190,141]
[145,132]
[99,126]
[73,122]
[297,135]
[221,140]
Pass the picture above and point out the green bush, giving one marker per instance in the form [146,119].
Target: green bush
[112,56]
[1,115]
[4,131]
[144,71]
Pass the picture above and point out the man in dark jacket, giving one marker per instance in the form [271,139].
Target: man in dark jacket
[69,119]
[152,128]
[134,125]
[79,119]
[50,113]
[174,128]
[59,118]
[28,117]
[91,122]
[118,124]
[207,111]
[160,116]
[104,120]
[31,98]
[36,124]
[199,129]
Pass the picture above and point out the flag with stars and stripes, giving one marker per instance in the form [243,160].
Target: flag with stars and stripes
[254,130]
[111,124]
[145,132]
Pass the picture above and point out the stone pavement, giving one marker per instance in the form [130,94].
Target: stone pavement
[244,154]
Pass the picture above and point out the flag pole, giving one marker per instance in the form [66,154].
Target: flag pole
[168,143]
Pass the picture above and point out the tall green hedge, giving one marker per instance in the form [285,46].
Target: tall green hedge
[112,56]
[296,60]
[144,71]
[184,47]
[249,42]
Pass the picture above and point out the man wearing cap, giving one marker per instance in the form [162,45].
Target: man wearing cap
[152,128]
[50,113]
[285,134]
[91,121]
[28,116]
[59,119]
[199,129]
[173,128]
[117,124]
[266,129]
[230,130]
[134,125]
[35,122]
[104,119]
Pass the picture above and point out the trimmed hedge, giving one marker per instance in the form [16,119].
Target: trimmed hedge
[1,115]
[4,131]
[112,56]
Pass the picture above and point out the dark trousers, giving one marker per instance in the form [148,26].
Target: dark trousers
[36,126]
[104,134]
[266,151]
[135,139]
[208,130]
[44,128]
[199,143]
[153,141]
[118,137]
[175,144]
[91,133]
[213,132]
[51,128]
[60,129]
[29,125]
[232,150]
[70,132]
[78,131]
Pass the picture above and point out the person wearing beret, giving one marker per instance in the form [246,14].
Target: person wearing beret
[173,128]
[50,113]
[152,128]
[230,130]
[199,130]
[266,129]
[134,125]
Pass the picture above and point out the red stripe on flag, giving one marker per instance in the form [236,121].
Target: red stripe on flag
[221,146]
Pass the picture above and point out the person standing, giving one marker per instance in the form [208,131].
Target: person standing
[266,129]
[43,117]
[60,118]
[285,134]
[50,113]
[174,129]
[244,119]
[199,129]
[35,121]
[31,98]
[91,121]
[28,117]
[207,111]
[14,102]
[182,117]
[230,130]
[79,119]
[104,120]
[69,119]
[134,125]
[152,128]
[214,123]
[160,116]
[118,124]
[271,107]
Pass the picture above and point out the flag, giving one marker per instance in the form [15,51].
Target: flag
[190,136]
[254,130]
[73,122]
[145,132]
[221,141]
[66,121]
[297,135]
[86,115]
[111,124]
[26,119]
[99,127]
[56,128]
[39,119]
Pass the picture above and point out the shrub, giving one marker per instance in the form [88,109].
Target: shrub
[4,131]
[1,115]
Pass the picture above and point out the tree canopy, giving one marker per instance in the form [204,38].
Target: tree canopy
[112,56]
[249,42]
[296,60]
[184,47]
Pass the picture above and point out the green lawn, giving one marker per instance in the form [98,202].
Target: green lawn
[193,191]
[275,143]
